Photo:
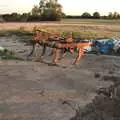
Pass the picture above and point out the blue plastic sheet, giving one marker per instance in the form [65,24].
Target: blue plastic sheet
[105,46]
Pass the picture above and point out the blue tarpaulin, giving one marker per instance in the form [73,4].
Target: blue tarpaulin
[104,45]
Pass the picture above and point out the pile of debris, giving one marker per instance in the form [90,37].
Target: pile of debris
[105,46]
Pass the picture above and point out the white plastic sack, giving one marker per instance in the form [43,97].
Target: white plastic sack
[87,49]
[103,40]
[1,48]
[116,45]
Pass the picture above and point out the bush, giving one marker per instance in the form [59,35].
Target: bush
[96,15]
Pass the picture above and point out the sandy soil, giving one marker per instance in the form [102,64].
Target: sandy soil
[36,91]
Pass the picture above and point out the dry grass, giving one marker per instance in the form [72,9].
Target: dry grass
[85,29]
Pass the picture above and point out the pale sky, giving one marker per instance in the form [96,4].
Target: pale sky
[70,7]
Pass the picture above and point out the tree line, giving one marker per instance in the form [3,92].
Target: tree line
[51,10]
[96,15]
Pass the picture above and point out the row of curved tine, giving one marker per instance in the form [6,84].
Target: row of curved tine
[59,45]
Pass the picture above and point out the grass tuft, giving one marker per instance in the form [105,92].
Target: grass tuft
[8,55]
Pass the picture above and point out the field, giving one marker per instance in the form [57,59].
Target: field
[86,29]
[36,91]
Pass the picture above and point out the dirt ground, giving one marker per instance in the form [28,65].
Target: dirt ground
[35,91]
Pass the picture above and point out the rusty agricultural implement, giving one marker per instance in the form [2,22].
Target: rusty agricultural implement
[42,38]
[60,46]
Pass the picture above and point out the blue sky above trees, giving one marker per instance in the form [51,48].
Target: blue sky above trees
[70,7]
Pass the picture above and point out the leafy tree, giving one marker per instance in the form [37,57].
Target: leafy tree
[96,15]
[115,15]
[50,10]
[35,11]
[86,15]
[35,14]
[42,6]
[110,15]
